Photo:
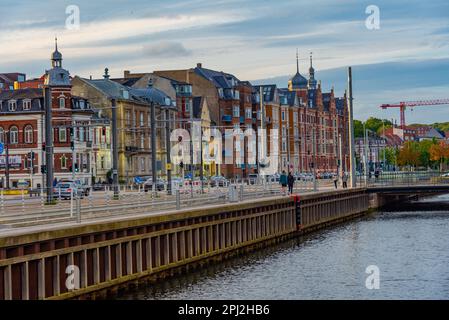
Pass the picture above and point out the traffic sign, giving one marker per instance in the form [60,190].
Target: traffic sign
[2,147]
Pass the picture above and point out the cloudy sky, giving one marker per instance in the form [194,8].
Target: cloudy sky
[406,59]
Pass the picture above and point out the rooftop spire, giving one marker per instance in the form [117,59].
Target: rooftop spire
[56,57]
[311,62]
[297,61]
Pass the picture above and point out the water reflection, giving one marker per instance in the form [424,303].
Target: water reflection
[411,250]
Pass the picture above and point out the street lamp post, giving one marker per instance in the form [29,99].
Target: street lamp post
[7,158]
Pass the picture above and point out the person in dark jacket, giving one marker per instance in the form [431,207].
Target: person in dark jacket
[283,181]
[291,182]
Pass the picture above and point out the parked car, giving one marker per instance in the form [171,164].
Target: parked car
[80,185]
[160,185]
[445,175]
[66,190]
[253,178]
[99,187]
[218,181]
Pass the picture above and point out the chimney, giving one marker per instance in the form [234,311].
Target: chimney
[199,65]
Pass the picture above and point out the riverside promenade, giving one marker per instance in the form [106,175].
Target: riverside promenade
[89,258]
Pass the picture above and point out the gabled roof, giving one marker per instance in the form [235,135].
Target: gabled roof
[152,95]
[290,95]
[129,82]
[21,94]
[269,92]
[218,78]
[112,89]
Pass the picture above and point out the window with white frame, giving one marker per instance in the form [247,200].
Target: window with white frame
[28,134]
[81,134]
[128,117]
[63,162]
[62,103]
[142,164]
[249,113]
[236,111]
[13,135]
[142,141]
[62,135]
[12,105]
[26,104]
[141,119]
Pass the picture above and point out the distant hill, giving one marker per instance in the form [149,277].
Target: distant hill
[443,126]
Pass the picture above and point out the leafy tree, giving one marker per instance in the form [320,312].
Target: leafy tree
[409,155]
[424,150]
[439,152]
[358,128]
[391,154]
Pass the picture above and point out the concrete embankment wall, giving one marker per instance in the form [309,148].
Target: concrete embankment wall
[108,254]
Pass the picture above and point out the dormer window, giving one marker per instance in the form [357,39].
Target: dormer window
[62,103]
[26,105]
[12,105]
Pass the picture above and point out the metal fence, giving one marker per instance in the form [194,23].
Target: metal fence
[401,178]
[26,210]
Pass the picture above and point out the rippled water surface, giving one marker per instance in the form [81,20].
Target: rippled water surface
[411,250]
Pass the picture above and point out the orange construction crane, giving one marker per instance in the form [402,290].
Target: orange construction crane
[410,104]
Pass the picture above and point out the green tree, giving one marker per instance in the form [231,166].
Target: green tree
[358,128]
[424,152]
[391,154]
[409,155]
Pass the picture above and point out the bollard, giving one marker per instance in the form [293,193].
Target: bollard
[2,201]
[78,209]
[71,203]
[90,200]
[42,200]
[59,197]
[23,201]
[107,201]
[178,199]
[241,192]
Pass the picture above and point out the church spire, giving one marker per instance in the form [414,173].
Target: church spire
[312,82]
[297,61]
[56,56]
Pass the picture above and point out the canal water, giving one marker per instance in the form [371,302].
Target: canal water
[410,251]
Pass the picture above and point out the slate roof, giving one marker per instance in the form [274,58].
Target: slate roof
[197,107]
[326,101]
[152,95]
[269,92]
[298,81]
[112,89]
[219,79]
[35,95]
[290,95]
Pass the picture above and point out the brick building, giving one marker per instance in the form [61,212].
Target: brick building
[22,130]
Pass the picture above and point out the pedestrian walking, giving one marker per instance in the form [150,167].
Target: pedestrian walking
[283,181]
[336,181]
[345,181]
[290,182]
